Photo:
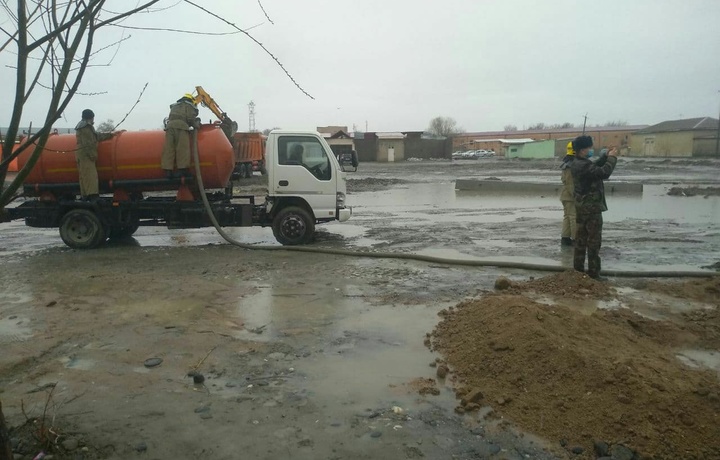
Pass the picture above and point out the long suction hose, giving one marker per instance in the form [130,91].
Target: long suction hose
[419,257]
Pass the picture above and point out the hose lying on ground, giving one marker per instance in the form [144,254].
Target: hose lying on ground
[422,258]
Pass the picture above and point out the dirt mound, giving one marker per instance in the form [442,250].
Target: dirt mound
[703,290]
[694,191]
[570,284]
[581,378]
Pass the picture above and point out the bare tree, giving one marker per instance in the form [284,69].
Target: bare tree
[616,123]
[510,128]
[537,126]
[566,125]
[106,126]
[53,42]
[444,126]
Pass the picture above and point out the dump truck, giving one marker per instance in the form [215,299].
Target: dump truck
[249,154]
[306,186]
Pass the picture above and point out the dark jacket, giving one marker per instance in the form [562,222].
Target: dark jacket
[588,178]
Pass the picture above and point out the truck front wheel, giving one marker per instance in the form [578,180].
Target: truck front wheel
[292,226]
[81,229]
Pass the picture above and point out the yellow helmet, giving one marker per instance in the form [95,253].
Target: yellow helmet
[189,97]
[570,150]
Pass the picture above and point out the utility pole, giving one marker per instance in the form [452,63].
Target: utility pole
[584,123]
[251,121]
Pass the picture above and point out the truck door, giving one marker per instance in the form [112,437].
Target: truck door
[303,167]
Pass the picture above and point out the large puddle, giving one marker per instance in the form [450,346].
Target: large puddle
[363,355]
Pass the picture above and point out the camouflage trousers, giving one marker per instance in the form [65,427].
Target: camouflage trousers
[588,239]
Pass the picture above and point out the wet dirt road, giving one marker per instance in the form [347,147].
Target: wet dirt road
[303,356]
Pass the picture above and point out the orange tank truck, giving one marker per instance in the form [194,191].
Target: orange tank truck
[130,160]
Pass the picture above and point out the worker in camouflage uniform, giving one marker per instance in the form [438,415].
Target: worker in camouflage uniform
[567,197]
[589,202]
[176,151]
[86,155]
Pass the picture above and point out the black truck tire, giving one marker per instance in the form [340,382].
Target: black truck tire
[293,226]
[82,229]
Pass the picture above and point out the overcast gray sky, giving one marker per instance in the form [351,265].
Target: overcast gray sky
[395,64]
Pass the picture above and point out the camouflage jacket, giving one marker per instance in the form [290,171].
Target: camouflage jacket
[182,115]
[589,189]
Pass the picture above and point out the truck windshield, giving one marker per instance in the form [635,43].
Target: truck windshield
[305,152]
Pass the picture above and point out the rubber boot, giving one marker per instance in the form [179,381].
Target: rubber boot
[168,174]
[566,241]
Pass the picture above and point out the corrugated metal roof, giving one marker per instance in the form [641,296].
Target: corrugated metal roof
[688,124]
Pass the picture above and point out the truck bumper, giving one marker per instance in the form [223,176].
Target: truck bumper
[344,214]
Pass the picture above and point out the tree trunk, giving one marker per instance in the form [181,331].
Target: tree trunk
[5,450]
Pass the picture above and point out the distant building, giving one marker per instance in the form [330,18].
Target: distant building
[692,137]
[338,138]
[527,148]
[603,136]
[391,147]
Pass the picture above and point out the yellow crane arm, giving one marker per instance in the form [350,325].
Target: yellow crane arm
[206,100]
[227,125]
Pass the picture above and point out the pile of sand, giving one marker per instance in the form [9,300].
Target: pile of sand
[703,290]
[569,284]
[562,374]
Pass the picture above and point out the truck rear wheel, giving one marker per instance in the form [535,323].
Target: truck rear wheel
[293,225]
[81,229]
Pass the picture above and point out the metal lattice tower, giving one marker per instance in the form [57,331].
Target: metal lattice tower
[251,121]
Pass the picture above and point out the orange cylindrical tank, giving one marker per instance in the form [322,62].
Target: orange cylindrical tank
[131,155]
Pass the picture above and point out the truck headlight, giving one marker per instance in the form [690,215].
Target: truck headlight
[340,200]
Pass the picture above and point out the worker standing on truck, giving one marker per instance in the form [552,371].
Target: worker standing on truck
[176,151]
[86,155]
[567,197]
[589,203]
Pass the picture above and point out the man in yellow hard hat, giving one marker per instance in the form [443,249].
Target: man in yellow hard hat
[567,197]
[176,151]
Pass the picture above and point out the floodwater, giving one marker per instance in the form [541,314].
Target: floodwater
[321,345]
[422,212]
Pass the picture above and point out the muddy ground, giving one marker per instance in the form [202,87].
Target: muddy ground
[312,356]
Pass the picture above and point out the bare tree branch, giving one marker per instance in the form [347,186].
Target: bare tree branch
[163,29]
[265,12]
[131,108]
[257,42]
[127,13]
[65,26]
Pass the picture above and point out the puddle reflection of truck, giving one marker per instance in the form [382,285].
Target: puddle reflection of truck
[302,191]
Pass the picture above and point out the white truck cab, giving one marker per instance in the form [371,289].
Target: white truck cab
[306,184]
